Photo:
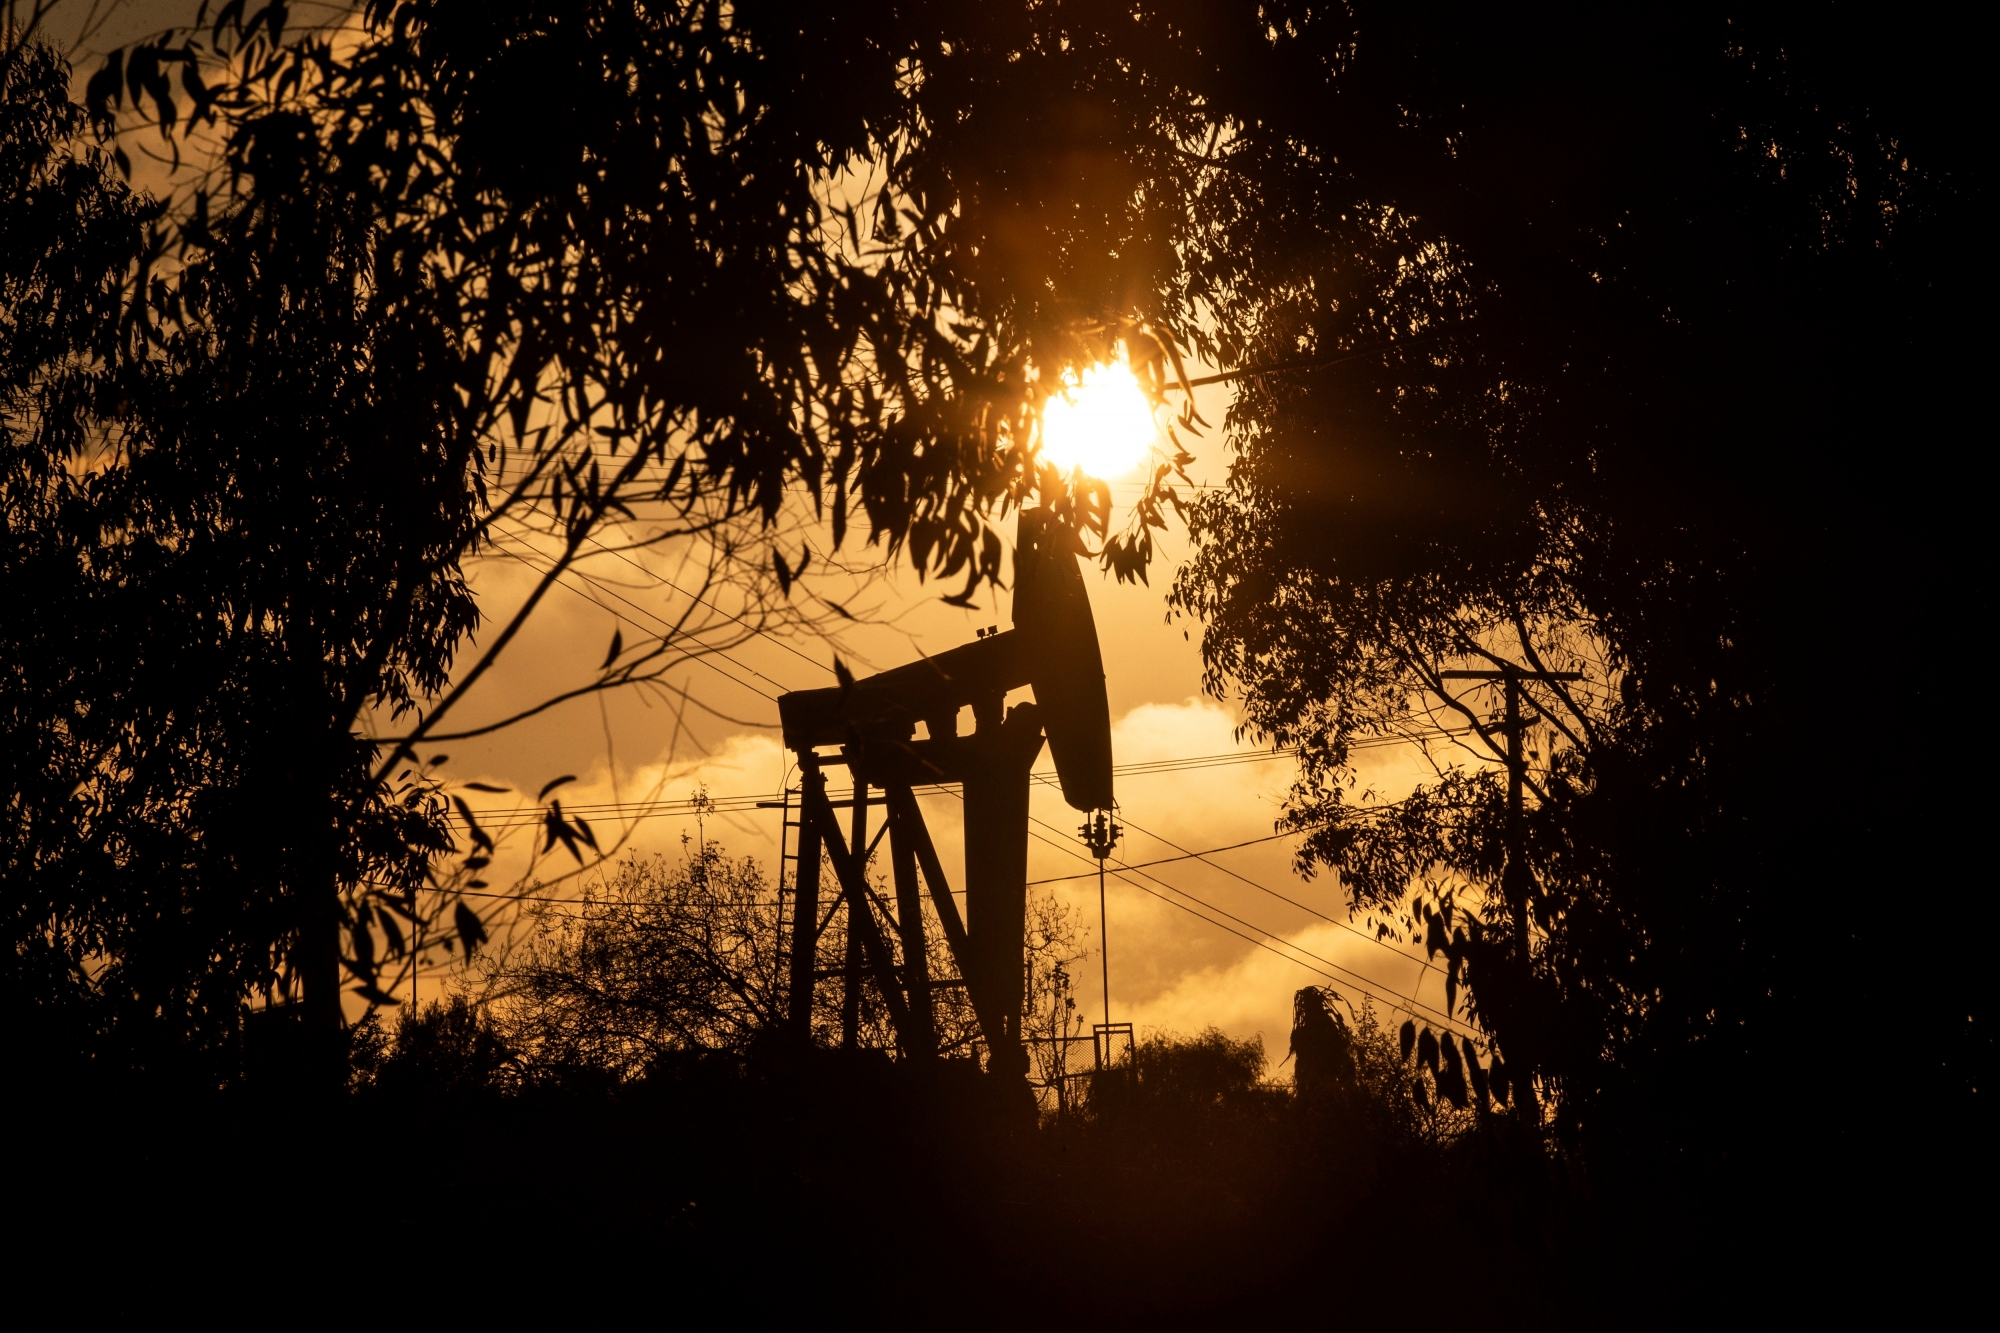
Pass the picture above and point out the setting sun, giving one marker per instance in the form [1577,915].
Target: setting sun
[1102,425]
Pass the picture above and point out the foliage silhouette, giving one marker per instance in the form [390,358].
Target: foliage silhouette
[444,1052]
[662,961]
[1201,1190]
[1614,318]
[1592,336]
[248,498]
[733,255]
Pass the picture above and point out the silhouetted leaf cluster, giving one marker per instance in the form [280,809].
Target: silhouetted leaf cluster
[231,513]
[1633,357]
[464,265]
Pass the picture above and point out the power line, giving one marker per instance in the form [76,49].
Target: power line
[527,896]
[1261,888]
[1219,760]
[1379,990]
[736,803]
[741,804]
[1033,883]
[659,620]
[1409,1003]
[1168,860]
[702,657]
[654,574]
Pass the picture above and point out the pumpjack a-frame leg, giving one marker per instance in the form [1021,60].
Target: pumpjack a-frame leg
[848,871]
[910,928]
[819,832]
[805,906]
[908,824]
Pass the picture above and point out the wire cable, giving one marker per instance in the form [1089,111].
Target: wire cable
[654,574]
[654,616]
[1168,860]
[735,803]
[1368,985]
[1186,855]
[1409,1004]
[702,657]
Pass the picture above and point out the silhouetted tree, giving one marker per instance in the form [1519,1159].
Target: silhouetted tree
[253,506]
[661,959]
[1181,1082]
[1620,344]
[433,1056]
[473,265]
[1431,1092]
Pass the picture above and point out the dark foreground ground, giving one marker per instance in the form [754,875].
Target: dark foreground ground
[846,1191]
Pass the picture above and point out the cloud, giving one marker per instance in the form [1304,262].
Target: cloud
[1252,996]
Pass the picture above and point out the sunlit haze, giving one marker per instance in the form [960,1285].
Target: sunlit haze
[925,438]
[1102,425]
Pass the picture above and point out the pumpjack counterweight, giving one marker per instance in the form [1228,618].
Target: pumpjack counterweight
[1052,649]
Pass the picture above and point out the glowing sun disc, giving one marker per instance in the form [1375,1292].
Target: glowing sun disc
[1101,425]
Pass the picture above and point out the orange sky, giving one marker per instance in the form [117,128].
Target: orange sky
[1170,970]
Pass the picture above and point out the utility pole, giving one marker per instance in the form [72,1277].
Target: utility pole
[1101,833]
[1059,1028]
[1516,880]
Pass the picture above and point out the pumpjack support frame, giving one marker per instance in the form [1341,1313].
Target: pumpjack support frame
[1053,649]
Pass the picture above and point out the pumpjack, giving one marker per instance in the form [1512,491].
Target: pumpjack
[871,725]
